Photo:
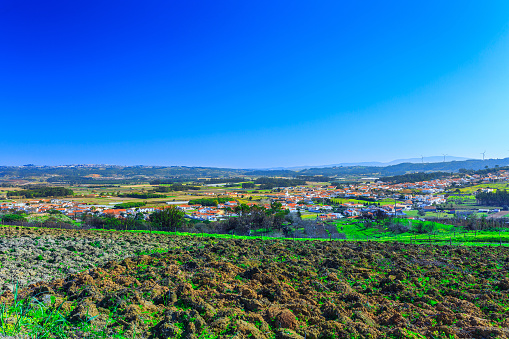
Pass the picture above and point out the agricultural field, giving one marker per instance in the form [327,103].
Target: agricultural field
[346,200]
[421,232]
[358,201]
[225,287]
[439,214]
[108,195]
[496,186]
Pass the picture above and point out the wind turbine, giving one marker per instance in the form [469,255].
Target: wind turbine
[483,153]
[422,159]
[445,156]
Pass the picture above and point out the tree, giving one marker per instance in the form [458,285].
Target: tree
[275,207]
[248,185]
[13,218]
[168,218]
[421,213]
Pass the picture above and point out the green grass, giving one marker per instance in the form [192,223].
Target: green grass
[462,199]
[352,201]
[357,201]
[388,202]
[35,319]
[60,217]
[497,185]
[443,234]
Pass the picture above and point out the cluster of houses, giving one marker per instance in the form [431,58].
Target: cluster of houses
[423,195]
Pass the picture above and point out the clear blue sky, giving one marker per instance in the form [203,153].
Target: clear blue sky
[252,83]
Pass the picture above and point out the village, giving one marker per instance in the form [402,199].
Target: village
[323,202]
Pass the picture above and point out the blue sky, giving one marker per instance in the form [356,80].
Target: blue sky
[251,84]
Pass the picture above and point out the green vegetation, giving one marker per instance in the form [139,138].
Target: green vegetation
[247,185]
[52,218]
[127,205]
[13,217]
[415,177]
[168,218]
[208,201]
[270,183]
[346,200]
[476,188]
[41,192]
[461,199]
[143,195]
[176,187]
[46,319]
[498,198]
[417,231]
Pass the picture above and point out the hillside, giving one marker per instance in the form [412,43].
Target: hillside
[91,174]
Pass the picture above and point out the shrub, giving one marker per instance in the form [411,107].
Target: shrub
[13,218]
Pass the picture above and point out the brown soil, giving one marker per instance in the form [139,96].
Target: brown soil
[287,289]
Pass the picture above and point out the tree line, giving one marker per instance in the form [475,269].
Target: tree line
[41,192]
[415,177]
[142,195]
[127,205]
[498,198]
[270,183]
[223,180]
[208,201]
[176,187]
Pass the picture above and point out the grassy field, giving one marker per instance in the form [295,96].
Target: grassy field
[356,231]
[40,218]
[345,200]
[108,195]
[497,185]
[414,214]
[443,234]
[357,201]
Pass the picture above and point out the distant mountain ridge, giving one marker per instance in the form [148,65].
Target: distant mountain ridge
[432,159]
[113,173]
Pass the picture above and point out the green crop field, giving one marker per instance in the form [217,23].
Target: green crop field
[497,185]
[352,201]
[443,234]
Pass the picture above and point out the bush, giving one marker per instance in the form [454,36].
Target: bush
[208,202]
[397,227]
[127,205]
[13,218]
[169,218]
[424,227]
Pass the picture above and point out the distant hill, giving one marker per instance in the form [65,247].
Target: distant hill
[403,168]
[111,174]
[432,159]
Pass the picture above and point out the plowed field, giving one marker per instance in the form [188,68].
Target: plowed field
[235,288]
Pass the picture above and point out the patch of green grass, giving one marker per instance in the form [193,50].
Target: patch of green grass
[495,186]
